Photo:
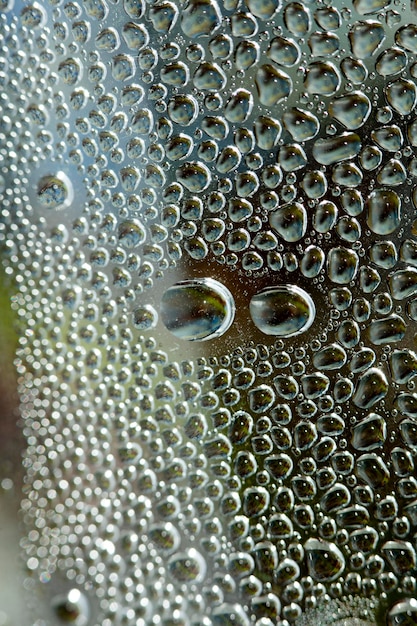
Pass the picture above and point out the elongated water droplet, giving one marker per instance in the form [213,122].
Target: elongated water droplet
[197,310]
[282,311]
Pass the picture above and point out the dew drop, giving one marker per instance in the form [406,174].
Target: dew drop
[322,78]
[403,613]
[197,310]
[290,221]
[72,607]
[352,110]
[145,317]
[273,85]
[324,560]
[342,265]
[55,191]
[200,17]
[187,567]
[365,38]
[338,148]
[372,387]
[282,311]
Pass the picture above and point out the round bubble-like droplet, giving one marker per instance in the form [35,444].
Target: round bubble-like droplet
[282,311]
[145,317]
[197,310]
[384,211]
[351,110]
[290,221]
[72,608]
[55,191]
[187,567]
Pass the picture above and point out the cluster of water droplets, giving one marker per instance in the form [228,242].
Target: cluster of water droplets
[207,211]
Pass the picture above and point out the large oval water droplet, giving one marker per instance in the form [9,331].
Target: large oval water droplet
[197,310]
[282,311]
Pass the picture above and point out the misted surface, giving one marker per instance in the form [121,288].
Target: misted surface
[208,224]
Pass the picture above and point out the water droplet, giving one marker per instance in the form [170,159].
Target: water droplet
[197,310]
[290,221]
[351,110]
[195,176]
[342,265]
[401,556]
[131,233]
[323,44]
[261,398]
[372,387]
[302,125]
[70,71]
[187,567]
[387,330]
[384,211]
[273,85]
[338,148]
[72,607]
[284,51]
[255,501]
[297,19]
[163,16]
[123,67]
[393,173]
[239,106]
[145,317]
[403,613]
[282,311]
[365,38]
[324,560]
[402,96]
[210,77]
[406,37]
[391,61]
[263,9]
[55,191]
[165,537]
[369,433]
[403,365]
[200,17]
[388,137]
[322,78]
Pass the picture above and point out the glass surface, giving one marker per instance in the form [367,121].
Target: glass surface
[209,243]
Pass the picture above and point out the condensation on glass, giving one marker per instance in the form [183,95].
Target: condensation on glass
[208,215]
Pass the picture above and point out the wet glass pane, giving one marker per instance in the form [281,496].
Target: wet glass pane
[209,266]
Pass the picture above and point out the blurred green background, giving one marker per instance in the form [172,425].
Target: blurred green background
[11,471]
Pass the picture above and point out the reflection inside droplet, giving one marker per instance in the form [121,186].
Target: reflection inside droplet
[55,191]
[197,310]
[282,311]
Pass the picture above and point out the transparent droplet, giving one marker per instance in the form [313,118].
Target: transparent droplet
[282,311]
[72,607]
[325,560]
[197,310]
[55,191]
